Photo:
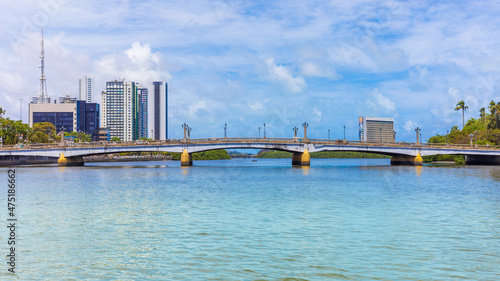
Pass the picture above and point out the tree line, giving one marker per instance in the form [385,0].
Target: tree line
[16,132]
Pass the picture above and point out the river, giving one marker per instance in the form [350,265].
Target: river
[340,219]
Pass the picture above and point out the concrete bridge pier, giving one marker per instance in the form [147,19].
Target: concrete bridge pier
[186,158]
[407,160]
[301,159]
[482,160]
[70,161]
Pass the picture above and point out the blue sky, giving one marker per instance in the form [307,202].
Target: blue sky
[246,63]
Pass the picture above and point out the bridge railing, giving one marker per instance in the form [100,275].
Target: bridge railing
[242,140]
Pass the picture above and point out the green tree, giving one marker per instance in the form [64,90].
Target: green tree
[115,139]
[2,112]
[461,106]
[44,132]
[13,132]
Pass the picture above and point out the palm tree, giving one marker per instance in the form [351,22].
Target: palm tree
[2,112]
[482,112]
[461,105]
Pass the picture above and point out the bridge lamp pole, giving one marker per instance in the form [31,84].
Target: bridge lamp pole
[394,135]
[305,125]
[328,133]
[184,126]
[344,133]
[259,132]
[264,130]
[417,130]
[471,136]
[189,132]
[446,137]
[225,128]
[295,130]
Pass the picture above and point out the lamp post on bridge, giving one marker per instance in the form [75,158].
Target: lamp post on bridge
[295,130]
[328,133]
[264,130]
[446,137]
[344,132]
[225,129]
[189,132]
[259,132]
[471,136]
[185,126]
[394,136]
[305,125]
[417,130]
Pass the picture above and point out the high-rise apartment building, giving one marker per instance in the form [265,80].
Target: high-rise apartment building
[376,129]
[143,112]
[158,111]
[120,113]
[85,87]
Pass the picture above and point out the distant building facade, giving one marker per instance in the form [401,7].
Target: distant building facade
[67,99]
[158,111]
[67,117]
[85,87]
[376,129]
[104,134]
[143,112]
[120,113]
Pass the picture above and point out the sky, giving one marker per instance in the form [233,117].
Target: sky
[282,63]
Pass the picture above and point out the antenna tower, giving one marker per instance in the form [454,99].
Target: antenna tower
[42,93]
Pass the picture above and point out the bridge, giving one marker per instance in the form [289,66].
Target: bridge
[402,153]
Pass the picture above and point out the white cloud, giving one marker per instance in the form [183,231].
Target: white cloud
[282,74]
[138,64]
[383,101]
[410,126]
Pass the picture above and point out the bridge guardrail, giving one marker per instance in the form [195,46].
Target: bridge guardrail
[243,139]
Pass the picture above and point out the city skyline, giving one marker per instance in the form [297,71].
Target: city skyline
[283,63]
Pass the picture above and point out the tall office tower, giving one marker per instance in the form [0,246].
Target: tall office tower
[376,129]
[42,91]
[85,86]
[120,110]
[143,112]
[158,111]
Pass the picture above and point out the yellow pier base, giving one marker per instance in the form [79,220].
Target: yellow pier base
[70,161]
[301,159]
[407,160]
[186,158]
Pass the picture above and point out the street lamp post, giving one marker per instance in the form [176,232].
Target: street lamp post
[189,132]
[394,136]
[185,126]
[328,133]
[344,132]
[417,130]
[264,130]
[305,125]
[225,128]
[471,136]
[259,132]
[446,137]
[295,130]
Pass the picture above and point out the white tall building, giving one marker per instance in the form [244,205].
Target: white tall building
[376,129]
[158,111]
[85,87]
[120,110]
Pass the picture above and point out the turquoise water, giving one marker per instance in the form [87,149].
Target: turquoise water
[342,219]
